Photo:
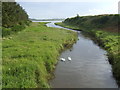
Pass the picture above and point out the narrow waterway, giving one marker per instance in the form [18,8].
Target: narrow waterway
[89,67]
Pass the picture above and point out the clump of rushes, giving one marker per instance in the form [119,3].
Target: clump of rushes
[29,57]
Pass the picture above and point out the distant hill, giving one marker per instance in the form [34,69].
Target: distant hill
[61,19]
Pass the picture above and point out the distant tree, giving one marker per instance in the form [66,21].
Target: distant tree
[78,15]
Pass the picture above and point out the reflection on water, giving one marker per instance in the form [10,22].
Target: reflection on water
[89,67]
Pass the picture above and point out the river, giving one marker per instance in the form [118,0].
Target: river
[89,67]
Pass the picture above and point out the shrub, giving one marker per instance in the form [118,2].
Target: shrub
[17,28]
[6,31]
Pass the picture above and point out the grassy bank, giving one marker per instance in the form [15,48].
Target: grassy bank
[29,56]
[105,36]
[108,22]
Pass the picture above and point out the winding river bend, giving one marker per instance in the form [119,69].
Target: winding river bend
[89,67]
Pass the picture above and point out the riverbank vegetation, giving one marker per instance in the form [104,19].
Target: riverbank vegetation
[14,18]
[104,30]
[29,56]
[29,50]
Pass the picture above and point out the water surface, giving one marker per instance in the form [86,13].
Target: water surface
[89,67]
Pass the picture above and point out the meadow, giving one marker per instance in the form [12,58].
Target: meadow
[29,56]
[103,29]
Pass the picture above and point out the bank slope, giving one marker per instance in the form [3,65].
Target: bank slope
[29,56]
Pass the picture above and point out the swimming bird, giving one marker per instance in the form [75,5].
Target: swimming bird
[62,59]
[69,58]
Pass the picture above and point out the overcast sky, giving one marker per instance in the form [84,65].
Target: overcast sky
[44,9]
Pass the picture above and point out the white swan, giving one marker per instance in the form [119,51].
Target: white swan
[69,58]
[62,59]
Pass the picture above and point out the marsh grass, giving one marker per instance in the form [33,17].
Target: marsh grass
[29,56]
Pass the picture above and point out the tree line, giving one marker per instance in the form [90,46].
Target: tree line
[14,18]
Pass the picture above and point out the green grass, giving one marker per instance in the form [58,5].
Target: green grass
[67,26]
[103,22]
[108,40]
[29,56]
[0,61]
